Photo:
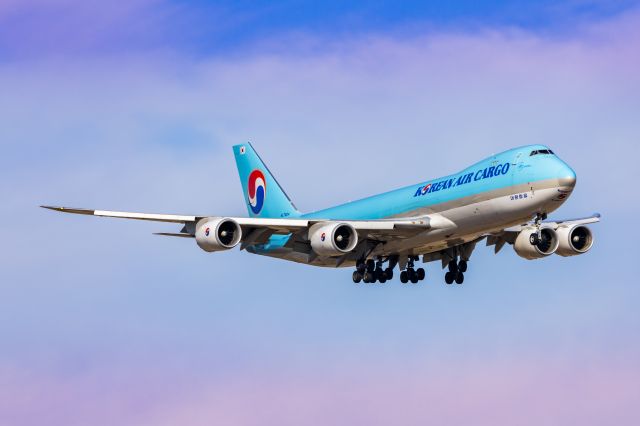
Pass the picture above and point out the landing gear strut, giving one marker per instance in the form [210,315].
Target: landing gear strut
[380,275]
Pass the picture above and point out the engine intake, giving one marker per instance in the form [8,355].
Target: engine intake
[217,234]
[548,243]
[574,240]
[333,239]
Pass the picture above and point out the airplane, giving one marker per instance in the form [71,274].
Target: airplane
[503,199]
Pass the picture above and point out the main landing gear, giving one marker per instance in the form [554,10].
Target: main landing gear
[411,274]
[456,272]
[372,271]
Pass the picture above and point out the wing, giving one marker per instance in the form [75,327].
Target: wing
[258,230]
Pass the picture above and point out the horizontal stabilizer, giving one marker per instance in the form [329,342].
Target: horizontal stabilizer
[174,234]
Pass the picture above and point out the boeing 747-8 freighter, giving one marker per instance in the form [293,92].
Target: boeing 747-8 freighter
[503,199]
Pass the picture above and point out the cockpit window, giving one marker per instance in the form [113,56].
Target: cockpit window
[540,152]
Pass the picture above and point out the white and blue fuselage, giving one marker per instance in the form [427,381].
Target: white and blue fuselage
[503,190]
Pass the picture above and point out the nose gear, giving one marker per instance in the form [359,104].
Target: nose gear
[536,237]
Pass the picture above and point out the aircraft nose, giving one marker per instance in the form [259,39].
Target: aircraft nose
[566,175]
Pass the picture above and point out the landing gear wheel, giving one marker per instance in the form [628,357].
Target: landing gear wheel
[389,273]
[357,277]
[413,276]
[403,277]
[462,266]
[420,272]
[369,277]
[361,268]
[453,266]
[448,277]
[459,278]
[534,239]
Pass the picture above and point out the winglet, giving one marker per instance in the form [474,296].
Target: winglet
[70,210]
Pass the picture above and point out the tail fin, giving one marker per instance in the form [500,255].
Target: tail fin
[262,192]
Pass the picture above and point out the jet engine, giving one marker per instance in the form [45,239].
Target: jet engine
[547,245]
[333,239]
[217,234]
[574,240]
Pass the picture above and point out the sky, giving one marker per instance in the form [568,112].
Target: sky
[135,106]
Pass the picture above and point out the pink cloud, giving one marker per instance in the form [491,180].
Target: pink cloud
[518,393]
[515,392]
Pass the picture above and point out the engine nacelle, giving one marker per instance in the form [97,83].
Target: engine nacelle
[333,239]
[217,234]
[574,240]
[547,245]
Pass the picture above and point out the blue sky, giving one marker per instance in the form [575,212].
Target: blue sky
[204,28]
[136,106]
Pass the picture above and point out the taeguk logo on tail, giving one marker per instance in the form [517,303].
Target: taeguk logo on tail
[257,188]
